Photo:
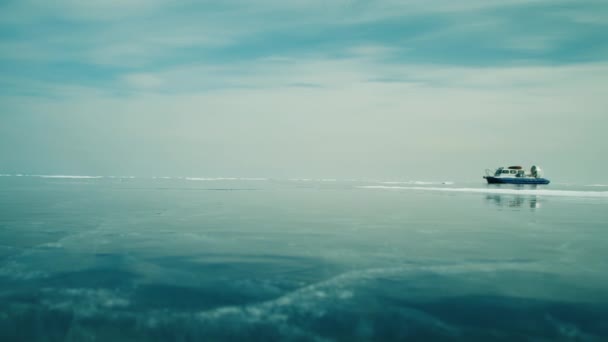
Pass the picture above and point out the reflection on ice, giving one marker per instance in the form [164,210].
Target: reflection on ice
[513,201]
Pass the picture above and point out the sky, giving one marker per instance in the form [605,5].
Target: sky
[409,90]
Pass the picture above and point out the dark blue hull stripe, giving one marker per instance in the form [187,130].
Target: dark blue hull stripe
[496,180]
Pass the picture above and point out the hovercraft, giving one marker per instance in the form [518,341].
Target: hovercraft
[515,175]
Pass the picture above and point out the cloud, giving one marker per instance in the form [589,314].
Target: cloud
[32,11]
[140,34]
[143,80]
[354,77]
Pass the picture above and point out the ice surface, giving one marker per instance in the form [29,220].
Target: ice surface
[157,259]
[531,192]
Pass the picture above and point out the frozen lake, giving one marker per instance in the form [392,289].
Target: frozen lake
[192,259]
